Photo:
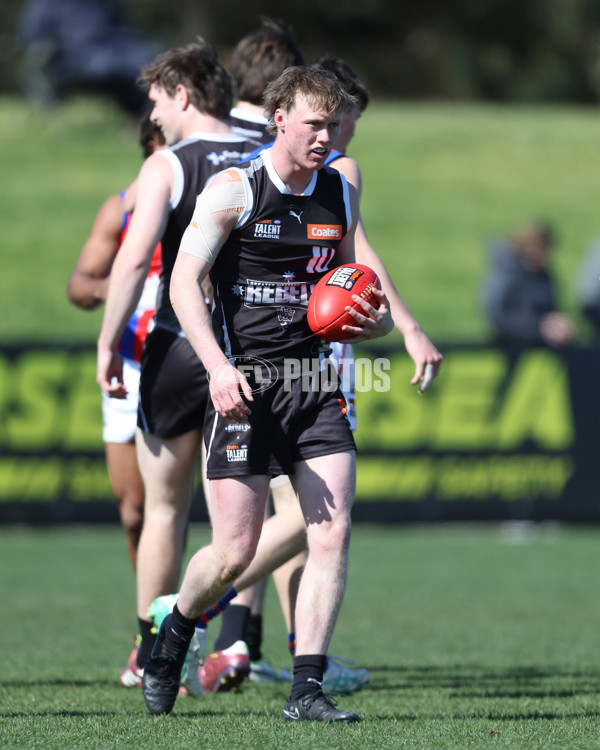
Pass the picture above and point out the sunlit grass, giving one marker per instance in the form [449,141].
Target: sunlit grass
[475,637]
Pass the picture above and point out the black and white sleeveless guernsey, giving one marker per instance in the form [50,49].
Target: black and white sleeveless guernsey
[277,252]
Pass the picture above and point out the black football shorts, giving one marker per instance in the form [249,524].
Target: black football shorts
[174,388]
[283,428]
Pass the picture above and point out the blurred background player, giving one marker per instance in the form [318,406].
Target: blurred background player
[87,288]
[191,97]
[588,288]
[258,59]
[519,291]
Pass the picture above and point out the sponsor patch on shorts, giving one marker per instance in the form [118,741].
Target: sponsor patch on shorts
[237,453]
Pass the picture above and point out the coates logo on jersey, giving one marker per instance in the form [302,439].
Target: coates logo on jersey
[324,232]
[267,229]
[344,277]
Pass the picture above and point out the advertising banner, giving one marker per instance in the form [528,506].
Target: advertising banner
[500,435]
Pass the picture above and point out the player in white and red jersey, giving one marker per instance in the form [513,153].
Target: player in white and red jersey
[87,289]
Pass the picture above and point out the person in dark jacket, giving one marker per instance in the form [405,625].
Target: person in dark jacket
[82,45]
[520,298]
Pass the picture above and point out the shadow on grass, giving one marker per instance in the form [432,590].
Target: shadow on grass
[477,685]
[469,681]
[390,717]
[56,682]
[525,716]
[175,716]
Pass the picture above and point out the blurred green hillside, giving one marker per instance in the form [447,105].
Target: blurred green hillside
[438,180]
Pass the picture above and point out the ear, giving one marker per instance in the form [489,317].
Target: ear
[279,119]
[182,96]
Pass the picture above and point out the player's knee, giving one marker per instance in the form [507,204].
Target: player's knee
[132,518]
[332,537]
[235,562]
[340,534]
[231,570]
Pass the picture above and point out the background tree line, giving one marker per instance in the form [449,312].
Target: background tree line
[497,50]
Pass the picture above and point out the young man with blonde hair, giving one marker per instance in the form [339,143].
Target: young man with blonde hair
[260,286]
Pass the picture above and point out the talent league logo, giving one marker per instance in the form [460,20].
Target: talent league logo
[267,229]
[236,453]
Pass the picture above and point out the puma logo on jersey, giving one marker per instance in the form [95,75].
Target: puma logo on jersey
[297,216]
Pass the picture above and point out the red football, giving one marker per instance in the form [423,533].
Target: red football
[333,293]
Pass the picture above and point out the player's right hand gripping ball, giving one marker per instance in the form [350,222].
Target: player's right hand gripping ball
[333,293]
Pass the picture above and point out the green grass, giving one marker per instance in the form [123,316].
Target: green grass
[438,179]
[476,637]
[57,169]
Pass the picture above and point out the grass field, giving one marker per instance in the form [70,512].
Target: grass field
[476,637]
[438,179]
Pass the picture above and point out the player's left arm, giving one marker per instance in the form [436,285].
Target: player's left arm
[424,354]
[372,322]
[418,345]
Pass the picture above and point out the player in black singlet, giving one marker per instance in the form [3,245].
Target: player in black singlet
[239,625]
[258,58]
[267,232]
[191,94]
